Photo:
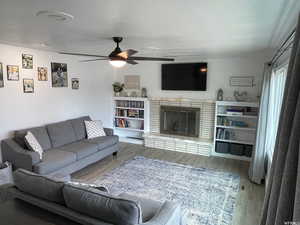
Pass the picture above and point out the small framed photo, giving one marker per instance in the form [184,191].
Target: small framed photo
[75,83]
[42,74]
[28,85]
[12,72]
[1,76]
[27,61]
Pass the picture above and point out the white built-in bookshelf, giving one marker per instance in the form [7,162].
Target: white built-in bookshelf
[131,118]
[235,129]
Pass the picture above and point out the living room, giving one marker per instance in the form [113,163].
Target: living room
[149,112]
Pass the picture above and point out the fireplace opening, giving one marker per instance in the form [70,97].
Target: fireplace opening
[182,121]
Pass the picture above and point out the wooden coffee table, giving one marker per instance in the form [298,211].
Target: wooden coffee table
[18,212]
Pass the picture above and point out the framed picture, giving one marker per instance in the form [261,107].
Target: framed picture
[12,72]
[27,61]
[42,74]
[1,76]
[28,85]
[59,74]
[132,81]
[75,83]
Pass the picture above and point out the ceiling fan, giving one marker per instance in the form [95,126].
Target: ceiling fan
[119,58]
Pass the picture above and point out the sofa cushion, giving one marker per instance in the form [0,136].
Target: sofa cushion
[39,186]
[61,133]
[149,207]
[40,133]
[54,159]
[101,205]
[79,127]
[81,149]
[104,141]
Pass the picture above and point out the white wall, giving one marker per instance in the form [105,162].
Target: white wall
[46,105]
[219,71]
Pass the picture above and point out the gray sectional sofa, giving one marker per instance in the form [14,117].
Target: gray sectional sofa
[89,205]
[65,144]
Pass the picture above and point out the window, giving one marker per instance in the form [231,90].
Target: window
[277,84]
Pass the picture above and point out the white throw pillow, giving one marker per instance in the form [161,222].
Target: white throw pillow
[33,144]
[94,129]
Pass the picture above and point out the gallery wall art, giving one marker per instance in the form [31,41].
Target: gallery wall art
[13,72]
[59,74]
[75,83]
[1,76]
[28,85]
[27,61]
[42,74]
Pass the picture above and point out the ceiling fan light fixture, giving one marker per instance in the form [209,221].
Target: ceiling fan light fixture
[117,63]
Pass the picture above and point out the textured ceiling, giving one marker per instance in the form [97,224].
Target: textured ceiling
[156,27]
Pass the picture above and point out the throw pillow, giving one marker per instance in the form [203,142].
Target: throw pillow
[94,129]
[33,144]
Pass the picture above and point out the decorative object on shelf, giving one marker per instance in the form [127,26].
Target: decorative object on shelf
[144,92]
[240,96]
[118,87]
[240,81]
[27,61]
[75,83]
[28,85]
[59,74]
[132,81]
[12,72]
[220,95]
[1,76]
[42,74]
[123,94]
[133,94]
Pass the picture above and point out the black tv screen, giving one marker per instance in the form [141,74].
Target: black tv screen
[184,76]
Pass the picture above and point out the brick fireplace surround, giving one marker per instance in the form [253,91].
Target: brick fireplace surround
[201,145]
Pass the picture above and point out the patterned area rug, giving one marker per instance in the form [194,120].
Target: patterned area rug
[208,197]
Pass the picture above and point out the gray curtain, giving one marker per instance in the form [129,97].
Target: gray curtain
[282,200]
[257,168]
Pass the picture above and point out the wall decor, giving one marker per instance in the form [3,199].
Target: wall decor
[42,74]
[12,72]
[27,61]
[28,85]
[132,81]
[239,81]
[1,76]
[75,83]
[59,74]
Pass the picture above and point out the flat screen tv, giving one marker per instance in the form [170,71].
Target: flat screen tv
[184,76]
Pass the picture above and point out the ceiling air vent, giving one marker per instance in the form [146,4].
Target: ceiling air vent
[55,15]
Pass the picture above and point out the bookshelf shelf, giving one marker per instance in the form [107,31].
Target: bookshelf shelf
[131,118]
[235,129]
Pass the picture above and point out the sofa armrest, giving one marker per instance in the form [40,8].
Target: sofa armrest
[109,131]
[169,214]
[18,156]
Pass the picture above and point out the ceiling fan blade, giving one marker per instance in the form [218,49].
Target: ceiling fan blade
[91,60]
[132,62]
[81,54]
[127,53]
[150,58]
